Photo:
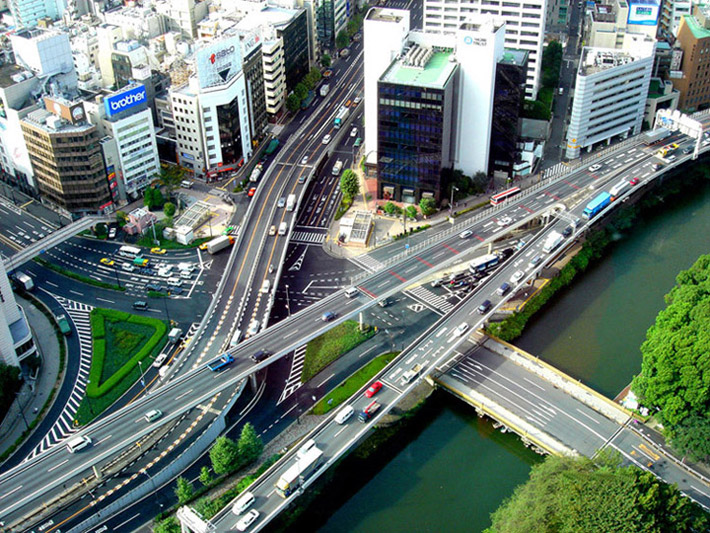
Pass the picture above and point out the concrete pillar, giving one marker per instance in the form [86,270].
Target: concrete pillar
[253,383]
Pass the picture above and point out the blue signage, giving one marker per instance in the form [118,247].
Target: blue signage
[125,100]
[644,12]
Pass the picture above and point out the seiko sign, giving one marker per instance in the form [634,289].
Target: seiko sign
[219,55]
[125,100]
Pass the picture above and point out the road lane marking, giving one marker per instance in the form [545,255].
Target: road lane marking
[183,394]
[118,527]
[18,488]
[324,381]
[534,384]
[427,263]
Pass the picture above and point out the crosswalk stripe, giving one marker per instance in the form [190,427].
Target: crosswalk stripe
[307,236]
[428,297]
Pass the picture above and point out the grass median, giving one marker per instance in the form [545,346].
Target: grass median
[325,349]
[354,383]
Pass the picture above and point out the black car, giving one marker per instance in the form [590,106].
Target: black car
[567,231]
[484,307]
[152,286]
[259,356]
[506,253]
[176,290]
[461,284]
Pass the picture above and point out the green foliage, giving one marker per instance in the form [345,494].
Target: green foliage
[349,183]
[345,204]
[249,444]
[551,64]
[352,384]
[153,198]
[352,27]
[301,92]
[537,110]
[205,476]
[169,209]
[342,40]
[325,60]
[293,102]
[692,437]
[121,218]
[101,230]
[325,349]
[411,212]
[184,490]
[170,176]
[311,79]
[428,206]
[10,383]
[169,525]
[224,455]
[411,231]
[576,494]
[391,209]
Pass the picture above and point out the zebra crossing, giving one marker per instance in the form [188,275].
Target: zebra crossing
[366,262]
[294,378]
[307,237]
[430,299]
[79,315]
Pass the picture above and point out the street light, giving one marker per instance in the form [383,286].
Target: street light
[141,369]
[165,303]
[288,303]
[451,205]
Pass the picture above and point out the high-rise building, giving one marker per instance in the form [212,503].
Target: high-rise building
[66,158]
[183,15]
[610,95]
[46,53]
[619,23]
[16,341]
[27,12]
[331,16]
[524,26]
[671,13]
[694,40]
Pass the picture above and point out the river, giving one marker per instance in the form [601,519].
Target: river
[457,469]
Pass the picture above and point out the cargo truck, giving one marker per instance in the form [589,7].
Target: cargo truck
[653,136]
[297,474]
[174,335]
[341,117]
[368,412]
[410,374]
[291,202]
[337,168]
[140,261]
[221,362]
[553,240]
[64,326]
[324,90]
[219,243]
[25,281]
[273,145]
[593,208]
[254,177]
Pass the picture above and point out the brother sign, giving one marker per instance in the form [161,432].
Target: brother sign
[124,100]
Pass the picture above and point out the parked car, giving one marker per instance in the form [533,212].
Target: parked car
[112,233]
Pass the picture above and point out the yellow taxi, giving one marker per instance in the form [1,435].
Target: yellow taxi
[106,261]
[159,251]
[203,246]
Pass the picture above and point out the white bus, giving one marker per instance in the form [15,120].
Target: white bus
[483,263]
[129,251]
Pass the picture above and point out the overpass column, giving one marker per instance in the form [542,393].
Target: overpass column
[97,472]
[253,383]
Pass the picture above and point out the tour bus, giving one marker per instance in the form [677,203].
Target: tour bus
[129,251]
[503,196]
[483,263]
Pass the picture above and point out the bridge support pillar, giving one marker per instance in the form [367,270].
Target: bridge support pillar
[254,384]
[97,472]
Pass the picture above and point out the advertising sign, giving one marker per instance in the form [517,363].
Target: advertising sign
[644,12]
[219,62]
[125,100]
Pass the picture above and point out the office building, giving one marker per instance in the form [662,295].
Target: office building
[524,26]
[183,15]
[694,41]
[610,95]
[331,16]
[557,15]
[27,12]
[619,23]
[66,158]
[16,341]
[48,55]
[671,13]
[661,95]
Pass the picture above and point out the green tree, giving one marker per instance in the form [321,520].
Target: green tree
[169,209]
[148,198]
[692,437]
[315,73]
[121,218]
[184,490]
[169,525]
[301,91]
[352,27]
[412,211]
[390,208]
[325,60]
[158,199]
[309,82]
[551,63]
[293,103]
[101,230]
[224,455]
[170,177]
[205,476]
[250,444]
[349,184]
[10,382]
[342,40]
[428,206]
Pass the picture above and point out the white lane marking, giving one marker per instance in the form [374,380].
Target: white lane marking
[534,384]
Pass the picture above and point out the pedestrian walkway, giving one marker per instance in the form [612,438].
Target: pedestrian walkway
[430,299]
[307,237]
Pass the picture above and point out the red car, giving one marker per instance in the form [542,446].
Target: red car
[376,386]
[634,181]
[251,192]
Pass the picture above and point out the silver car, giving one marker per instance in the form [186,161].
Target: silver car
[281,202]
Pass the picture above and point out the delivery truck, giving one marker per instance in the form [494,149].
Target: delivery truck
[299,472]
[553,240]
[219,243]
[221,362]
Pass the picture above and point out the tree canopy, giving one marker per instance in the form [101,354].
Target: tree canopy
[342,40]
[325,60]
[349,184]
[570,495]
[224,455]
[293,102]
[675,370]
[428,206]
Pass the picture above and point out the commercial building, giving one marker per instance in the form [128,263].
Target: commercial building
[27,12]
[524,26]
[48,55]
[16,341]
[183,15]
[694,41]
[671,13]
[610,95]
[558,12]
[661,95]
[66,158]
[619,23]
[331,16]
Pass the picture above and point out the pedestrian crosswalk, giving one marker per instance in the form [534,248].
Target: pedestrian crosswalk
[64,425]
[307,237]
[294,378]
[430,299]
[366,262]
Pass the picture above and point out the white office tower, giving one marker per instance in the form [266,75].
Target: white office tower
[384,32]
[524,26]
[15,336]
[479,47]
[610,95]
[672,12]
[47,53]
[27,12]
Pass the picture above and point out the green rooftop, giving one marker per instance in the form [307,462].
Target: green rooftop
[434,74]
[699,32]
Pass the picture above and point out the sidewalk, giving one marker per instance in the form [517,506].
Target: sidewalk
[34,393]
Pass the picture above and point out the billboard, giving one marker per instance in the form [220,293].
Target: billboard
[219,62]
[644,12]
[125,100]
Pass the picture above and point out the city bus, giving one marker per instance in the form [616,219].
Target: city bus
[483,263]
[503,196]
[129,251]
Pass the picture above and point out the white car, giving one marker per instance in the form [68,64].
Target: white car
[504,221]
[465,234]
[461,329]
[281,202]
[304,160]
[594,167]
[326,139]
[112,233]
[353,132]
[517,276]
[249,518]
[253,327]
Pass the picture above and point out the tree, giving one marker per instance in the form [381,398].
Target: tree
[301,92]
[293,103]
[10,382]
[224,455]
[121,218]
[309,82]
[205,476]
[352,27]
[325,60]
[315,74]
[692,437]
[148,197]
[158,199]
[342,40]
[349,184]
[578,494]
[428,206]
[170,177]
[101,230]
[250,444]
[390,208]
[411,212]
[551,63]
[169,209]
[184,490]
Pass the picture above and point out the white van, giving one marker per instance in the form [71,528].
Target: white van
[190,267]
[185,274]
[78,443]
[283,228]
[265,287]
[164,272]
[344,414]
[150,416]
[175,282]
[128,267]
[243,503]
[186,184]
[351,292]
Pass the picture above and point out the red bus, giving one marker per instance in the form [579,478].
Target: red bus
[503,196]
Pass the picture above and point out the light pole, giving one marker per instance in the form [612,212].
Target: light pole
[288,303]
[451,205]
[141,369]
[21,408]
[165,302]
[115,273]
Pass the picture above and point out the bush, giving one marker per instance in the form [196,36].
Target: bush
[325,349]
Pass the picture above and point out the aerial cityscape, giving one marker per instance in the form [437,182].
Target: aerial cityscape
[432,265]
